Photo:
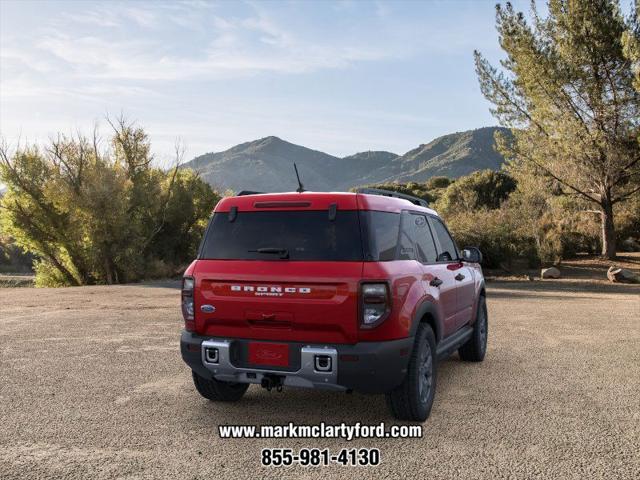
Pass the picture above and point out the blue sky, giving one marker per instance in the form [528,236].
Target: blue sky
[340,77]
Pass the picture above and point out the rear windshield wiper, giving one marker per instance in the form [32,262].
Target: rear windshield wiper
[283,252]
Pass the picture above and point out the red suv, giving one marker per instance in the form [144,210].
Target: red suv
[357,291]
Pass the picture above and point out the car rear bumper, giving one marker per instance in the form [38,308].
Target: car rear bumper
[368,367]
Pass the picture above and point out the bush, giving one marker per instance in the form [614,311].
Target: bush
[429,191]
[481,189]
[102,217]
[493,232]
[47,276]
[435,183]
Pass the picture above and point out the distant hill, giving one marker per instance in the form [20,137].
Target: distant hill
[267,164]
[364,165]
[453,156]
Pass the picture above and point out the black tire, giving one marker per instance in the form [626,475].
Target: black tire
[476,347]
[218,391]
[413,398]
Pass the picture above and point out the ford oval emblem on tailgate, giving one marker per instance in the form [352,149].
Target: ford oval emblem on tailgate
[207,308]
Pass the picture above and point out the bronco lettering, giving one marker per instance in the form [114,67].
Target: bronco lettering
[263,289]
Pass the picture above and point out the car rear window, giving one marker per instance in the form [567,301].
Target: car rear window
[305,235]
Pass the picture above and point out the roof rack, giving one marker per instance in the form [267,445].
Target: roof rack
[391,193]
[242,193]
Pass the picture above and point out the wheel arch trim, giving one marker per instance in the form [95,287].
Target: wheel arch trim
[427,309]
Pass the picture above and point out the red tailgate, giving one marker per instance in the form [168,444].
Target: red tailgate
[315,302]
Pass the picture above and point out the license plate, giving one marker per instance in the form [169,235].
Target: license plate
[271,354]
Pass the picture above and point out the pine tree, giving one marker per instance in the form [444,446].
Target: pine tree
[566,89]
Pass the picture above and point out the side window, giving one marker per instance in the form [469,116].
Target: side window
[407,238]
[382,230]
[447,251]
[424,240]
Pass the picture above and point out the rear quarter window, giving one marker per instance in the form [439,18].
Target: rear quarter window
[381,230]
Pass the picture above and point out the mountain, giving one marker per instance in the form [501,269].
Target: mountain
[267,164]
[361,166]
[453,156]
[375,159]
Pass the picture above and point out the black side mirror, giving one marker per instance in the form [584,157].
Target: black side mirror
[471,255]
[444,257]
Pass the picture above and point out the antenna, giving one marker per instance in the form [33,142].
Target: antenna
[300,188]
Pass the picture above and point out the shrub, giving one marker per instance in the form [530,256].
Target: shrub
[482,189]
[93,216]
[435,183]
[493,232]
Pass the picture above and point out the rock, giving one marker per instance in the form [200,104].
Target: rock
[551,272]
[622,275]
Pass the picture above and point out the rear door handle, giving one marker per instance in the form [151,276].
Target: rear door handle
[436,282]
[459,277]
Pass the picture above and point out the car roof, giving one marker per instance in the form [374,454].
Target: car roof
[318,201]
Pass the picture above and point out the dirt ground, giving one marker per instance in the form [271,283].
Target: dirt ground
[92,386]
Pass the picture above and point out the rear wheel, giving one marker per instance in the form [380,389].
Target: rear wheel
[476,347]
[413,398]
[218,391]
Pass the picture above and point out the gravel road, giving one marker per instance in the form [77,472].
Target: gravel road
[92,386]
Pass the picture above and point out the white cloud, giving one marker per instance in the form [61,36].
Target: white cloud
[99,43]
[99,16]
[110,16]
[235,47]
[141,16]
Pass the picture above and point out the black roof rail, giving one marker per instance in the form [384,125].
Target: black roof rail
[390,193]
[247,192]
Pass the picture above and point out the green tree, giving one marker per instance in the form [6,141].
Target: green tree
[481,189]
[566,89]
[93,216]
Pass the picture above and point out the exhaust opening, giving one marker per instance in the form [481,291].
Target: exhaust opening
[211,355]
[322,363]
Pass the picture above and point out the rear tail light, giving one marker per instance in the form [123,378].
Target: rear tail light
[375,304]
[187,303]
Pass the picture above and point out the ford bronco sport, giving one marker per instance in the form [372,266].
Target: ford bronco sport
[357,291]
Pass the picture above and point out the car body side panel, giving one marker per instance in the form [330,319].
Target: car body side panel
[465,296]
[445,295]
